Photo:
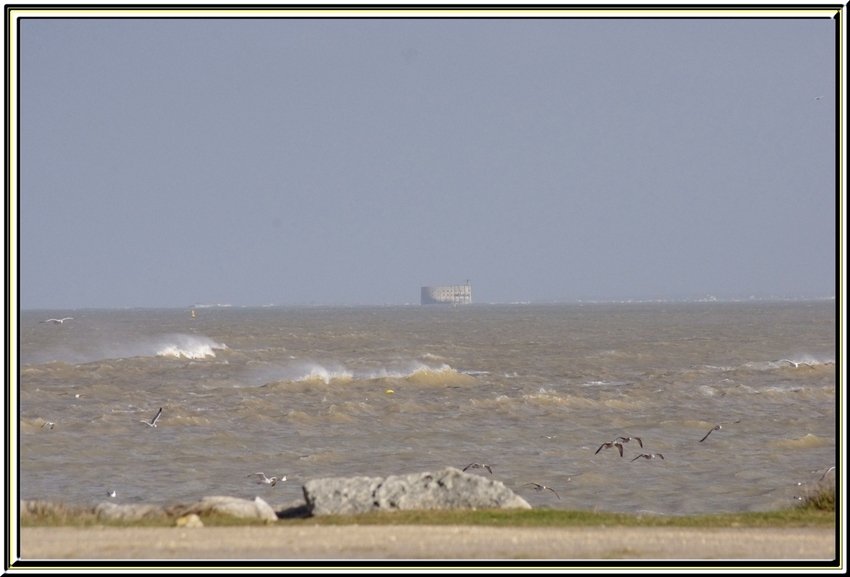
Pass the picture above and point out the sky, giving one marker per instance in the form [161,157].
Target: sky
[172,162]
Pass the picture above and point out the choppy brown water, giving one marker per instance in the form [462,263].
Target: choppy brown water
[531,390]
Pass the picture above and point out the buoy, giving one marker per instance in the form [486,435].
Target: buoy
[193,314]
[388,391]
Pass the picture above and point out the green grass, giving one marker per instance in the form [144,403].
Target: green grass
[795,517]
[822,499]
[809,515]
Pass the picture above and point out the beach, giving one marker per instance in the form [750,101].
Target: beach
[381,542]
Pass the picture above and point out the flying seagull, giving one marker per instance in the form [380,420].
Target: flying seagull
[48,424]
[153,421]
[649,456]
[478,466]
[111,493]
[610,444]
[794,364]
[57,321]
[825,474]
[540,487]
[627,439]
[716,428]
[261,478]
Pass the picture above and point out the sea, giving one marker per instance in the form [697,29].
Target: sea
[532,390]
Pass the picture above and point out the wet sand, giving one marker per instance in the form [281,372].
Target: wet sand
[314,542]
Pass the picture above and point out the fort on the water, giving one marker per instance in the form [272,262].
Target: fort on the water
[447,294]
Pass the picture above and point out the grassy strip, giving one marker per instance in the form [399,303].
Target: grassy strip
[816,510]
[796,517]
[559,518]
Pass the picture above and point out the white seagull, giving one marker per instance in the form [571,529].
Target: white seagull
[57,321]
[540,487]
[261,478]
[478,466]
[794,364]
[153,421]
[111,493]
[48,424]
[649,456]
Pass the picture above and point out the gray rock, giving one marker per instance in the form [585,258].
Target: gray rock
[243,508]
[449,488]
[113,512]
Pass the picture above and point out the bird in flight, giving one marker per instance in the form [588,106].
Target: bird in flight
[153,421]
[111,493]
[716,428]
[478,466]
[627,439]
[261,478]
[794,364]
[57,321]
[649,456]
[825,474]
[540,487]
[610,444]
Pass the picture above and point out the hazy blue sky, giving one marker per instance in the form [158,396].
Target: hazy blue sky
[289,161]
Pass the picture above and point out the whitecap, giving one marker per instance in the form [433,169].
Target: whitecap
[188,346]
[320,373]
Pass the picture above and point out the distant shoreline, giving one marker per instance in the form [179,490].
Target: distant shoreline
[580,302]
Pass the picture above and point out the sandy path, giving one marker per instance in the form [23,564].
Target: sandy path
[424,542]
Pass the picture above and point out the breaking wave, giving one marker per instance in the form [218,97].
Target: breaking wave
[418,374]
[421,374]
[188,347]
[321,374]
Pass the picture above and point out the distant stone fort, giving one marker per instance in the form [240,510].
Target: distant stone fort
[447,295]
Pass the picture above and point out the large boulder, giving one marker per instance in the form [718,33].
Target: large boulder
[234,506]
[449,488]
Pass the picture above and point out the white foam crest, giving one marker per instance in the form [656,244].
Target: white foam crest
[320,373]
[425,369]
[602,384]
[188,347]
[414,369]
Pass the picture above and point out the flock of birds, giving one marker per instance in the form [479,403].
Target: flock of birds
[618,444]
[615,444]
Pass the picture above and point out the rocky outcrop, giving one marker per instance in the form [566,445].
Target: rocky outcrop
[449,488]
[113,512]
[244,508]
